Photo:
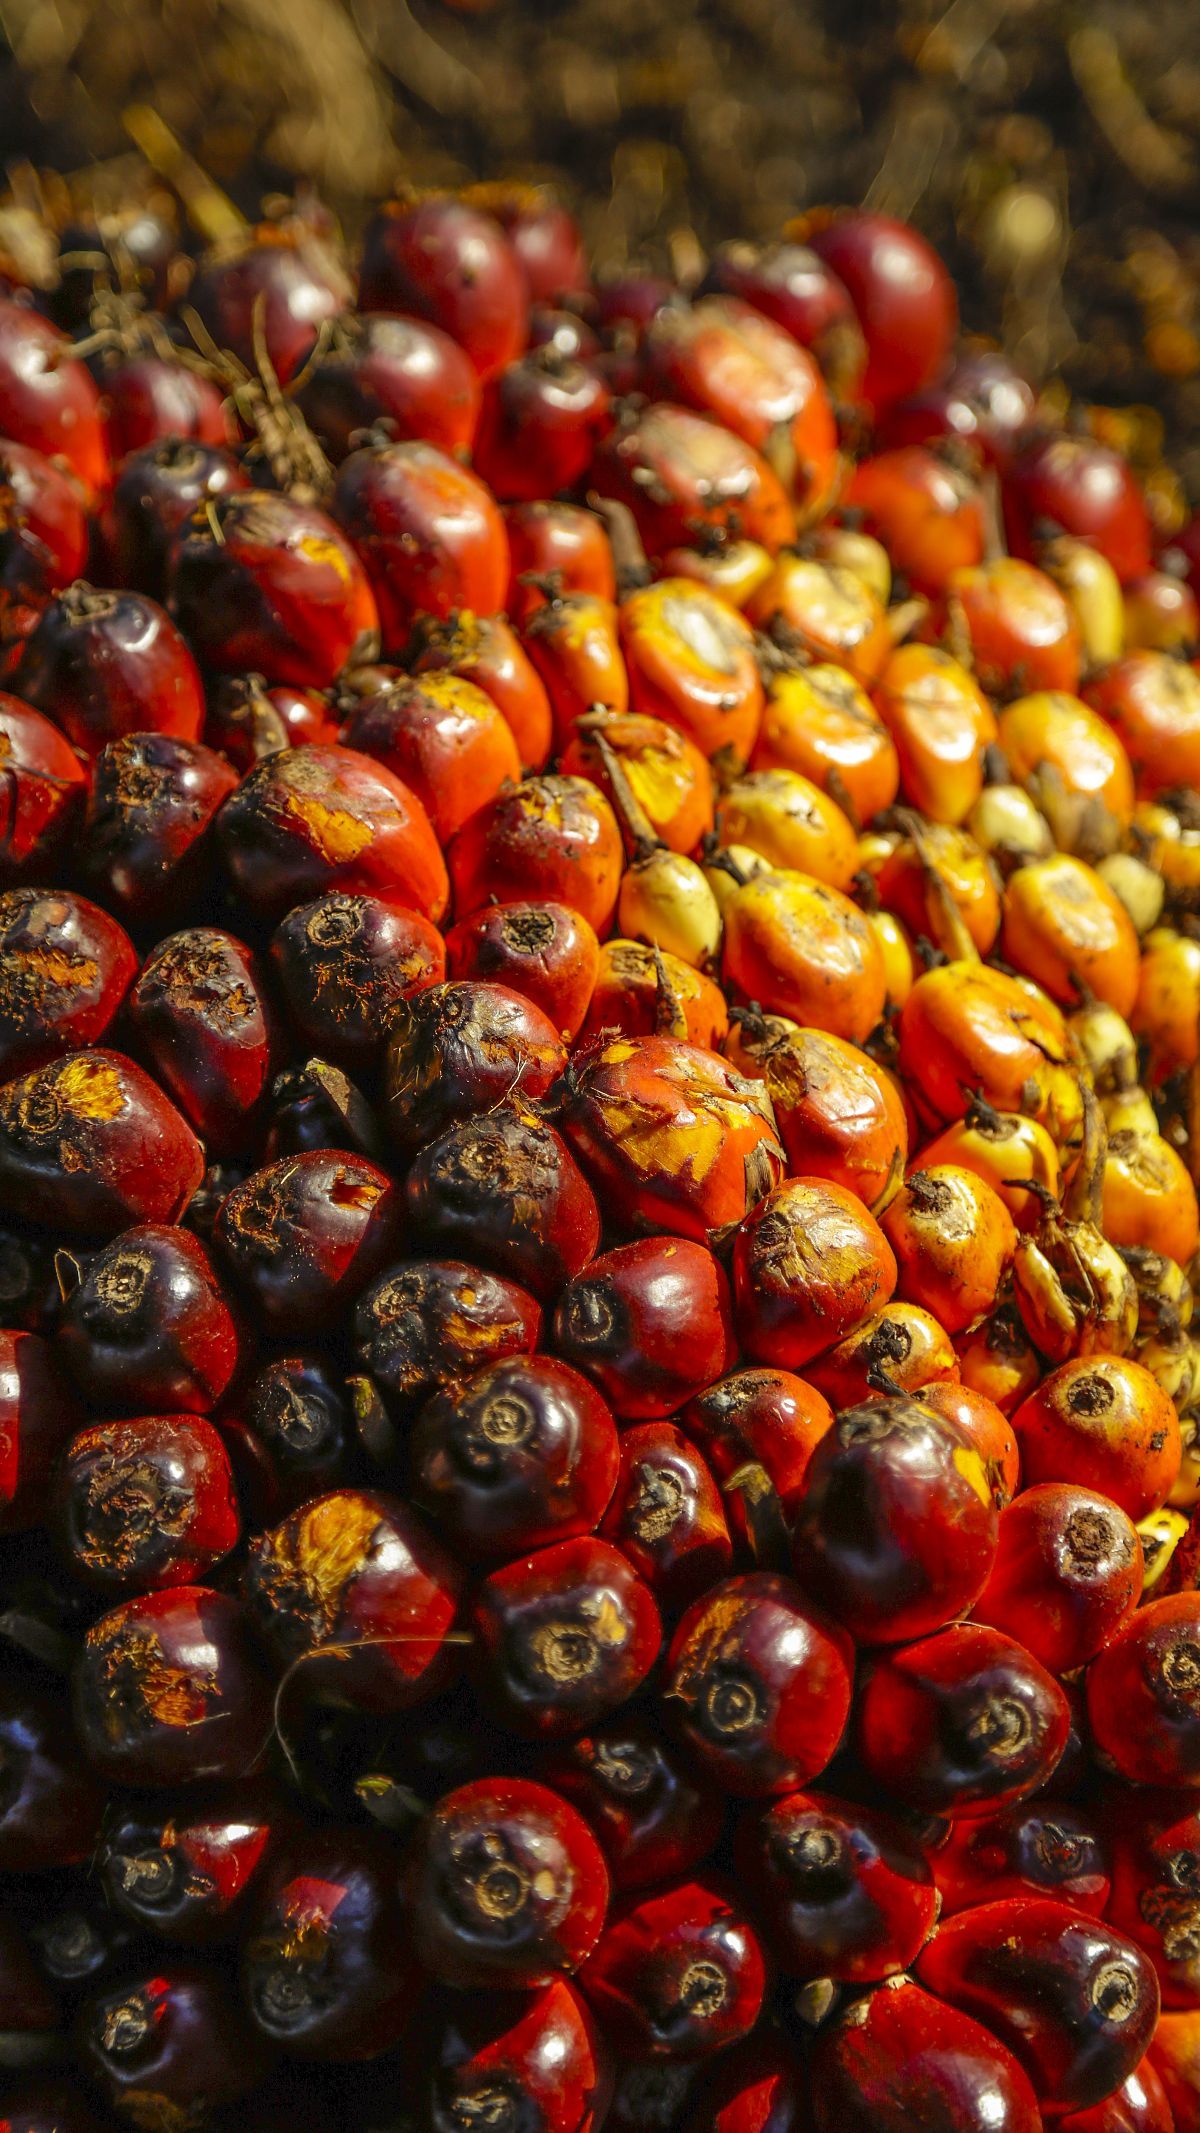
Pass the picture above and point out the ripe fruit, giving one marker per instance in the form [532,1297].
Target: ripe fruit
[677,1973]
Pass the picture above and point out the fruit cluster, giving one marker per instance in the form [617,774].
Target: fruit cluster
[599,987]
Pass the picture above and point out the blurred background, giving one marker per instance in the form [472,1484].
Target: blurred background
[1051,149]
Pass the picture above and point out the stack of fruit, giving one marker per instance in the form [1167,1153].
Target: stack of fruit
[599,984]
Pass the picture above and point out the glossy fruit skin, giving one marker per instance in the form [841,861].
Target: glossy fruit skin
[148,397]
[303,1236]
[183,1871]
[445,738]
[65,967]
[53,1801]
[953,1239]
[960,1723]
[759,1685]
[37,1416]
[679,472]
[900,1349]
[388,1576]
[168,1690]
[679,1973]
[820,721]
[543,950]
[1107,1417]
[1067,1574]
[802,949]
[47,397]
[758,1430]
[506,1187]
[1065,928]
[457,1049]
[896,1530]
[314,821]
[1051,731]
[445,262]
[1173,2055]
[1019,625]
[942,725]
[1080,487]
[145,1504]
[290,1433]
[264,584]
[1139,2106]
[521,1455]
[559,543]
[981,399]
[563,1637]
[540,2053]
[43,542]
[94,1144]
[280,273]
[508,1887]
[148,847]
[155,491]
[427,1323]
[695,1100]
[549,837]
[650,1322]
[343,962]
[541,420]
[666,1515]
[201,1016]
[842,1891]
[927,513]
[968,1030]
[901,2058]
[427,532]
[668,773]
[839,1115]
[902,295]
[790,284]
[788,1304]
[758,2087]
[545,237]
[1040,1847]
[654,1818]
[485,650]
[45,787]
[1142,1695]
[403,372]
[247,721]
[1155,1843]
[1153,702]
[1075,2001]
[176,2040]
[104,664]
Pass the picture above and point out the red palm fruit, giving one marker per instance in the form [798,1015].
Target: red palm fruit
[538,2052]
[247,721]
[147,846]
[326,1967]
[896,1530]
[313,820]
[1138,2106]
[177,2036]
[1019,626]
[988,1429]
[679,1973]
[758,2087]
[94,1145]
[900,2058]
[840,1116]
[899,1349]
[52,1802]
[342,963]
[457,1049]
[792,285]
[563,1637]
[759,1685]
[183,1870]
[1154,1839]
[961,1723]
[1152,701]
[572,641]
[168,1690]
[654,1817]
[680,473]
[304,1235]
[149,397]
[427,531]
[428,1323]
[505,1186]
[401,373]
[201,1016]
[710,1154]
[507,1887]
[445,738]
[809,1264]
[523,1454]
[1067,1574]
[145,1327]
[541,420]
[954,1239]
[485,650]
[43,794]
[154,494]
[271,287]
[758,1430]
[65,967]
[43,542]
[900,290]
[37,1416]
[104,664]
[797,947]
[291,1434]
[981,400]
[48,400]
[1143,1694]
[1078,486]
[1175,2056]
[691,663]
[650,1322]
[145,1504]
[1105,1421]
[1040,1847]
[548,837]
[559,547]
[925,510]
[1073,2000]
[444,261]
[352,1592]
[668,775]
[666,1515]
[266,585]
[842,1891]
[544,235]
[543,950]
